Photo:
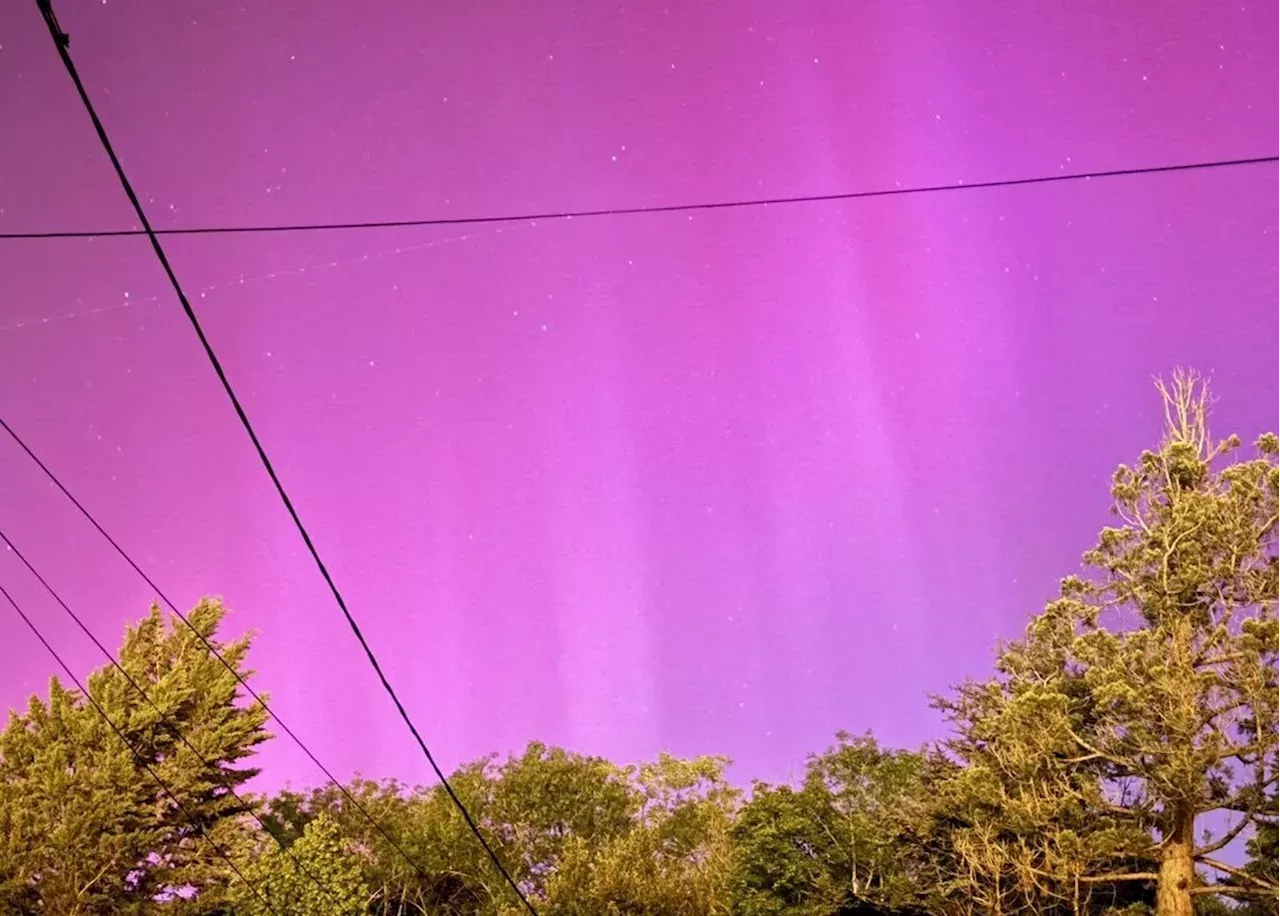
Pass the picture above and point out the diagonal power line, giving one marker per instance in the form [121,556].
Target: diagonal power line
[164,598]
[61,42]
[739,204]
[167,721]
[222,853]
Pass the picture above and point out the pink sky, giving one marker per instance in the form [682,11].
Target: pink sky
[723,482]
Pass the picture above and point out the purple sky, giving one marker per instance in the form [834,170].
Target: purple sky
[724,482]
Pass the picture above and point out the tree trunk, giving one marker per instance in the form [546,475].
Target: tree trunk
[1177,870]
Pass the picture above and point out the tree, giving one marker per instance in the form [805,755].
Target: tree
[546,799]
[1141,700]
[579,834]
[672,859]
[319,875]
[76,820]
[445,871]
[1264,859]
[845,841]
[1014,837]
[531,808]
[84,828]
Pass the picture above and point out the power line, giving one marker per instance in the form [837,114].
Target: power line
[61,40]
[364,811]
[660,208]
[134,751]
[164,719]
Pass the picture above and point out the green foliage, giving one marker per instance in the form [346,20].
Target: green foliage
[1263,851]
[318,875]
[531,808]
[84,829]
[1139,708]
[76,818]
[580,835]
[845,840]
[1142,699]
[672,857]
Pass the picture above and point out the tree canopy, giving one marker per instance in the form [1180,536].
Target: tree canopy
[1120,759]
[85,828]
[1143,700]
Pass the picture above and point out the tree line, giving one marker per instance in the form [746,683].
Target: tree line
[1121,758]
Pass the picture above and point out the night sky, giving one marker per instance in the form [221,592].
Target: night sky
[721,482]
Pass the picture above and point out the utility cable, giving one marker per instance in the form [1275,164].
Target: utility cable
[61,40]
[167,721]
[745,203]
[164,598]
[134,751]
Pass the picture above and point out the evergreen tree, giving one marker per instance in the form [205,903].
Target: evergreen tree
[84,828]
[1264,863]
[1141,700]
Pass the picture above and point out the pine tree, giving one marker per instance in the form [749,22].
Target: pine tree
[84,828]
[1143,699]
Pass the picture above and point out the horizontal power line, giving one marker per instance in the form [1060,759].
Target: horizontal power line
[664,208]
